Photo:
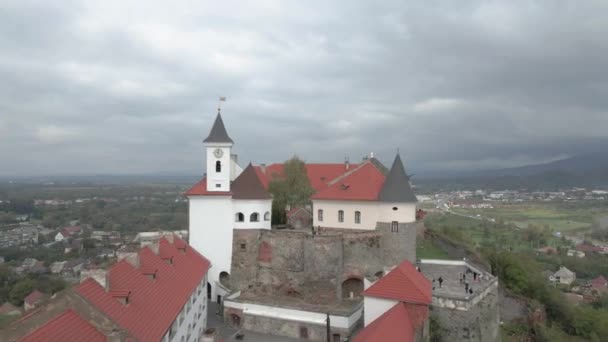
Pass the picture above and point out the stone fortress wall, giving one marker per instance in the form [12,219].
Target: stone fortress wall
[296,261]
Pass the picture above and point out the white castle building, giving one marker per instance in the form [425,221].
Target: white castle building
[227,198]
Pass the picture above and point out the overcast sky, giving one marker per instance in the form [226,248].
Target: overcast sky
[94,87]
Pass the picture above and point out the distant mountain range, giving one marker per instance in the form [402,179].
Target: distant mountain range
[589,170]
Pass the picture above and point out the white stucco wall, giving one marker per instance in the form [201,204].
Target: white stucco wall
[371,213]
[222,178]
[247,207]
[192,316]
[341,322]
[235,169]
[405,213]
[375,307]
[211,224]
[368,209]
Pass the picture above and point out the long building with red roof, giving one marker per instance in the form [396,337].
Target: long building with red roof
[158,293]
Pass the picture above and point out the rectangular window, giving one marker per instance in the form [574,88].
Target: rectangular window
[243,246]
[340,216]
[218,185]
[304,332]
[320,215]
[357,217]
[395,227]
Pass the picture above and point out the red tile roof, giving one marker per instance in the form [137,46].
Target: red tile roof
[294,210]
[248,185]
[67,327]
[599,282]
[319,175]
[150,311]
[404,283]
[33,297]
[200,189]
[589,248]
[363,184]
[397,324]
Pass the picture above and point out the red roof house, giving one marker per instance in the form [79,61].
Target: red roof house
[411,294]
[599,283]
[67,327]
[397,324]
[150,311]
[32,299]
[404,283]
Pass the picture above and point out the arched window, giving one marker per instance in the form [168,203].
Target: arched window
[395,227]
[340,215]
[352,288]
[267,216]
[218,166]
[357,217]
[320,215]
[254,217]
[239,217]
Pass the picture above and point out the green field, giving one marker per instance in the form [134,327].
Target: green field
[426,249]
[557,217]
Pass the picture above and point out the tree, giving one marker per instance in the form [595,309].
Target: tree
[292,188]
[21,289]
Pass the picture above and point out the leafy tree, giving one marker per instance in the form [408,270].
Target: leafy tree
[292,188]
[20,290]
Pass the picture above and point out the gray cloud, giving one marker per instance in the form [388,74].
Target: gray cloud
[127,87]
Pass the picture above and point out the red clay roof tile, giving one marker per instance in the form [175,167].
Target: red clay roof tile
[404,283]
[66,327]
[150,312]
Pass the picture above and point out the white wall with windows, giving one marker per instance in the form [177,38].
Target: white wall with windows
[400,212]
[192,319]
[360,214]
[368,214]
[247,210]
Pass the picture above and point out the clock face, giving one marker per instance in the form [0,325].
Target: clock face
[218,153]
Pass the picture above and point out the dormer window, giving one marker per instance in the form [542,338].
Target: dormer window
[218,166]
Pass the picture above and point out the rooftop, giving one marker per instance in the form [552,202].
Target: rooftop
[451,272]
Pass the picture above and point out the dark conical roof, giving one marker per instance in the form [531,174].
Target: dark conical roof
[396,187]
[248,186]
[218,132]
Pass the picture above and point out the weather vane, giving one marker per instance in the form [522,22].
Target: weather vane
[219,105]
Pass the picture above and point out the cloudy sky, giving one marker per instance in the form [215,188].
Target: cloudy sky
[94,87]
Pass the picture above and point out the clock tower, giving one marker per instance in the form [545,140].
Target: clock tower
[218,145]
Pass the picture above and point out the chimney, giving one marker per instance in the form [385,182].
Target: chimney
[263,168]
[346,163]
[371,155]
[100,275]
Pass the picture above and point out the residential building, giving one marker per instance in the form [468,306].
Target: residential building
[32,300]
[158,293]
[563,276]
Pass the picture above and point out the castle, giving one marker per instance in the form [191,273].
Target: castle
[304,281]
